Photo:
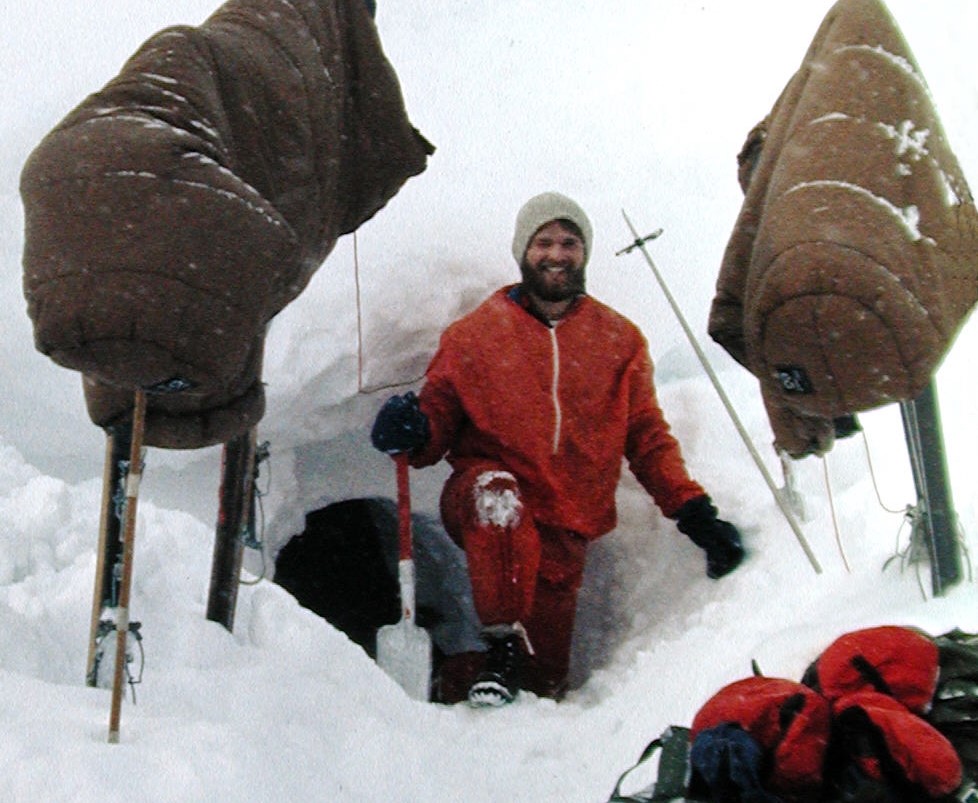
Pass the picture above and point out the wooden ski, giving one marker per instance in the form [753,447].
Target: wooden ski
[128,542]
[235,514]
[109,549]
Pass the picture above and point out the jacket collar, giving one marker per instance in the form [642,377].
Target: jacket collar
[518,295]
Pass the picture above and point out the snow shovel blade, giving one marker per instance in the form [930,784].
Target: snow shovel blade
[404,649]
[404,653]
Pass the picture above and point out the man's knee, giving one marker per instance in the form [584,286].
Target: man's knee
[483,512]
[484,494]
[496,496]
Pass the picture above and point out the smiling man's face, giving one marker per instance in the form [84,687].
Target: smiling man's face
[553,266]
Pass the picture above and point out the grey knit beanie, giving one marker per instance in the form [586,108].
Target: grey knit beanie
[542,209]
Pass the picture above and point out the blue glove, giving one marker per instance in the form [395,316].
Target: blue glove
[718,538]
[729,761]
[400,425]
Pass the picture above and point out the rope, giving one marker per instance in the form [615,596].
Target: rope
[835,521]
[356,282]
[132,680]
[872,474]
[361,388]
[911,553]
[914,552]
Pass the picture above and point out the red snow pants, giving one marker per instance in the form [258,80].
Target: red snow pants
[520,571]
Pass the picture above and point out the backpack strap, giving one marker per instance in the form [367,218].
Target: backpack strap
[672,773]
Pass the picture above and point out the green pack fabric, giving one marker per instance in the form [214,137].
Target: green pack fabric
[954,711]
[670,783]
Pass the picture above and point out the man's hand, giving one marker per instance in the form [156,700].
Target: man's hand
[718,538]
[400,425]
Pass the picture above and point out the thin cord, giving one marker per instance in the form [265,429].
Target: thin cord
[263,456]
[912,514]
[872,474]
[911,553]
[361,389]
[356,281]
[835,522]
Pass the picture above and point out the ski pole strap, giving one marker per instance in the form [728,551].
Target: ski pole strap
[672,772]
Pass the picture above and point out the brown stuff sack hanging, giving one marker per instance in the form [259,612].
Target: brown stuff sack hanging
[172,214]
[854,259]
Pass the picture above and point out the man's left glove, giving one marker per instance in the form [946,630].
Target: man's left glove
[718,538]
[400,425]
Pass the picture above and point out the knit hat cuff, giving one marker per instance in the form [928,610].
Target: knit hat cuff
[543,209]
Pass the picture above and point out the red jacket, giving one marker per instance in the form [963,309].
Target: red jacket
[558,406]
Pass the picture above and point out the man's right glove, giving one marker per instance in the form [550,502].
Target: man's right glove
[718,538]
[400,425]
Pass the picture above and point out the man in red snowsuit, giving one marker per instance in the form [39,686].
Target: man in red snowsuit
[534,398]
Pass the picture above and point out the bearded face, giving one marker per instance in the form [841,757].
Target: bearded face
[553,266]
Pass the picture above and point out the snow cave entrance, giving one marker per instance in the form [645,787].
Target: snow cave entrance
[336,568]
[343,567]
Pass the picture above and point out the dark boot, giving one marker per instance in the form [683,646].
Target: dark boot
[500,680]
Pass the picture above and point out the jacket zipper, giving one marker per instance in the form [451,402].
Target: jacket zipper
[555,388]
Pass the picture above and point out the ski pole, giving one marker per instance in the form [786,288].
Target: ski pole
[639,243]
[128,541]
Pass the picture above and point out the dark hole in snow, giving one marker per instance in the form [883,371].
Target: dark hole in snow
[343,567]
[336,569]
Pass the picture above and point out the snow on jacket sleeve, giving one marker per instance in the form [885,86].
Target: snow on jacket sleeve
[653,453]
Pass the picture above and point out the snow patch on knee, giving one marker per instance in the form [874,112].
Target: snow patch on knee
[499,506]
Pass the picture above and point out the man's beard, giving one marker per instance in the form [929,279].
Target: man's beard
[536,283]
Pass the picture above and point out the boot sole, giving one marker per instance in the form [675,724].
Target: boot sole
[489,694]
